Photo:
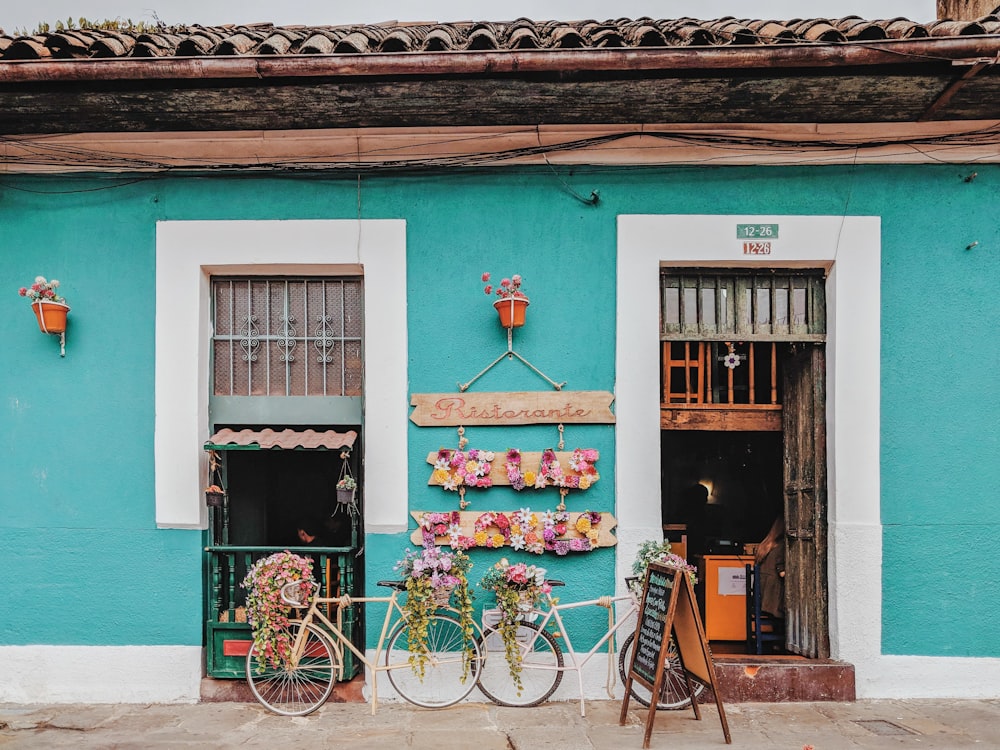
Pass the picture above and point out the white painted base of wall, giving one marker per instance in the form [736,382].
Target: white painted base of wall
[100,674]
[172,674]
[594,676]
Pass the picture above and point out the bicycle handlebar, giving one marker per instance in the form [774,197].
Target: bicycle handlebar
[398,585]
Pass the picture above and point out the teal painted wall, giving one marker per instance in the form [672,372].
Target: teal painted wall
[76,444]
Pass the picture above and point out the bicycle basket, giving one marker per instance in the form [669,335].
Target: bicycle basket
[296,593]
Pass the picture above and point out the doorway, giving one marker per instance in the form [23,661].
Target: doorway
[742,419]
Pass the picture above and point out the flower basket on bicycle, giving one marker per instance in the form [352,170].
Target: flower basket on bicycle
[432,576]
[518,589]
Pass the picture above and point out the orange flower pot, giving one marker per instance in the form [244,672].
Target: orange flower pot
[511,310]
[51,316]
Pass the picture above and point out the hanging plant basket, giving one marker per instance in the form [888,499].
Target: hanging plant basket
[345,497]
[51,316]
[214,499]
[512,311]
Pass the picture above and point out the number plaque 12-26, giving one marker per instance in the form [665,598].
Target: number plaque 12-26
[756,231]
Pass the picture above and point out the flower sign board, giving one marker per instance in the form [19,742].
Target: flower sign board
[537,532]
[515,408]
[568,470]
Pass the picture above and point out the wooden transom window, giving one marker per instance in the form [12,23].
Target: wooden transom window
[754,305]
[287,336]
[724,335]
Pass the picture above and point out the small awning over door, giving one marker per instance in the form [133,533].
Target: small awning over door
[285,439]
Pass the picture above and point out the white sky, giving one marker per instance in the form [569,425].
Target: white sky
[27,14]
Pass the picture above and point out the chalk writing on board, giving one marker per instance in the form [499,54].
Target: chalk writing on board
[651,629]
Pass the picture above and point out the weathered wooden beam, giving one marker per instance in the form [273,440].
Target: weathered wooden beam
[758,418]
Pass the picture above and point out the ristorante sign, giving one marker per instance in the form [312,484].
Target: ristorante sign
[519,407]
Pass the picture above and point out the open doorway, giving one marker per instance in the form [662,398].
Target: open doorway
[743,446]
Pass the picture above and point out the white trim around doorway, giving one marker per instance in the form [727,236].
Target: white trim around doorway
[850,248]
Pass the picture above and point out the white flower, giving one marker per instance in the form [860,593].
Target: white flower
[516,541]
[525,514]
[450,484]
[731,360]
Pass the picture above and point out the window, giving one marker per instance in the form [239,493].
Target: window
[287,337]
[758,305]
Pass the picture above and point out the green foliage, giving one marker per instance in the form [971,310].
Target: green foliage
[108,24]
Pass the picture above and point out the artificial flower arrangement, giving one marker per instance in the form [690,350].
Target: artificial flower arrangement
[659,552]
[509,287]
[550,471]
[518,589]
[347,483]
[456,468]
[521,530]
[42,290]
[267,614]
[433,576]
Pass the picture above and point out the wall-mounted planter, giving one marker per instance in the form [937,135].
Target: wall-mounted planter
[51,316]
[512,311]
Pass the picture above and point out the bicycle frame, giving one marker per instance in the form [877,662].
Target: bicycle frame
[338,640]
[551,614]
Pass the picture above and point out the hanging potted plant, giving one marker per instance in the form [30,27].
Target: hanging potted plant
[49,307]
[214,495]
[511,303]
[434,578]
[346,488]
[518,589]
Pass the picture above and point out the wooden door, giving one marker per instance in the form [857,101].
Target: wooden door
[804,425]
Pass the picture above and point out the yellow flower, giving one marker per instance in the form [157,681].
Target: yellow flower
[584,482]
[583,524]
[529,477]
[471,467]
[498,540]
[441,475]
[480,537]
[515,528]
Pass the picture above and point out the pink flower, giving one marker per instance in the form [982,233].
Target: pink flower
[488,289]
[486,276]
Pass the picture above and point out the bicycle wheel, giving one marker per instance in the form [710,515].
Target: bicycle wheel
[541,667]
[300,690]
[450,672]
[674,694]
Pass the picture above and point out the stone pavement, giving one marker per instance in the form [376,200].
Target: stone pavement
[897,724]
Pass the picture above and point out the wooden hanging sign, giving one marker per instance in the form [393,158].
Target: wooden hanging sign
[514,408]
[572,470]
[473,530]
[668,615]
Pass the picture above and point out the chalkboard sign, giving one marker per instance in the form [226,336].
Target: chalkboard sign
[668,611]
[652,628]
